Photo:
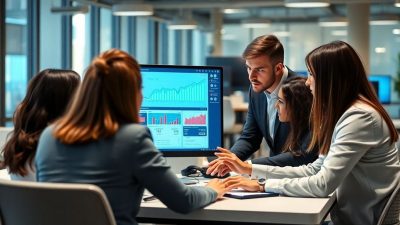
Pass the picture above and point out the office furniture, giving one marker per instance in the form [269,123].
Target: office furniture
[238,104]
[4,132]
[23,203]
[391,212]
[231,128]
[270,210]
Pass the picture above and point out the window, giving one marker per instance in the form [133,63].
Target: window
[16,65]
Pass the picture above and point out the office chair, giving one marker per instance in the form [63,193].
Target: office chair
[391,212]
[32,203]
[4,132]
[229,118]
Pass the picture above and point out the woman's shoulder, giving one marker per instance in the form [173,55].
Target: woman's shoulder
[363,113]
[362,107]
[47,132]
[132,131]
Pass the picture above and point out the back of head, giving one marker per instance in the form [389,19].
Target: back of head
[340,80]
[108,97]
[266,45]
[46,99]
[298,100]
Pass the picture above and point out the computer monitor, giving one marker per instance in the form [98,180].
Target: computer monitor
[235,72]
[381,84]
[302,73]
[182,107]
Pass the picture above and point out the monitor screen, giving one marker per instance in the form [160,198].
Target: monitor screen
[381,84]
[235,73]
[182,107]
[302,73]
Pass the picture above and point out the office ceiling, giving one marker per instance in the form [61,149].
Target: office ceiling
[274,10]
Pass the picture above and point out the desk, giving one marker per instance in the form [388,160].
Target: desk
[240,107]
[270,210]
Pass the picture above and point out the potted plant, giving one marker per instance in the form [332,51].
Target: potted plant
[397,79]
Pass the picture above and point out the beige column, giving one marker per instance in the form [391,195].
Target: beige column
[358,30]
[217,21]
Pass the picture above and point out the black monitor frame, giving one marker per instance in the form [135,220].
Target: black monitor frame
[191,152]
[236,75]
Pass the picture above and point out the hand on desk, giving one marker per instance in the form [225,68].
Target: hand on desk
[219,186]
[242,182]
[227,162]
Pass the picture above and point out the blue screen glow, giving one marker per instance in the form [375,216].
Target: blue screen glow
[182,107]
[381,83]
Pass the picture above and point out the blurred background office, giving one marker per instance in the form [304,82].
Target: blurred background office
[37,34]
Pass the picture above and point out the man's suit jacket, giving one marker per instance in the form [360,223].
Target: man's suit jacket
[257,127]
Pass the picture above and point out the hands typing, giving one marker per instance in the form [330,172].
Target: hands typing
[227,162]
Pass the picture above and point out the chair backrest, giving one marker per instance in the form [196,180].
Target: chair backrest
[4,132]
[391,213]
[32,203]
[228,114]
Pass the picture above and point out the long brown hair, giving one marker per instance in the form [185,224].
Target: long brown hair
[298,100]
[340,80]
[268,45]
[106,99]
[46,99]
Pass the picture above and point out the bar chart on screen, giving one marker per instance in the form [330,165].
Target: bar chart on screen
[191,118]
[165,118]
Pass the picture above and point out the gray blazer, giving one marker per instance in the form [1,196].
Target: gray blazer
[123,166]
[362,166]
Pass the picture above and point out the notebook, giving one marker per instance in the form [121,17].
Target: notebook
[246,195]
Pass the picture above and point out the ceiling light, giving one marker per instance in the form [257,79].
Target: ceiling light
[380,50]
[339,33]
[306,3]
[397,3]
[182,24]
[228,37]
[233,11]
[132,9]
[256,23]
[384,20]
[333,22]
[396,31]
[69,10]
[281,33]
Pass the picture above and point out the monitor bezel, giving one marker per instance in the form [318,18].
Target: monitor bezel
[190,152]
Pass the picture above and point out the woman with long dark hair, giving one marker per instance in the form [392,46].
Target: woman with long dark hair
[356,139]
[294,107]
[46,99]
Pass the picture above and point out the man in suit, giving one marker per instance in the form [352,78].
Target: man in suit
[266,71]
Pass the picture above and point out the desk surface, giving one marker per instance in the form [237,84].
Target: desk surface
[276,210]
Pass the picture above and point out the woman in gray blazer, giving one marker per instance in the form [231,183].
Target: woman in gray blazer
[99,141]
[356,137]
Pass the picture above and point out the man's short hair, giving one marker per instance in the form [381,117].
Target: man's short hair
[268,45]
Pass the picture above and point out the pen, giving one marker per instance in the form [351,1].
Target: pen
[149,198]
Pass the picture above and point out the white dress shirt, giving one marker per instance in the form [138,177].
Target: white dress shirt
[271,99]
